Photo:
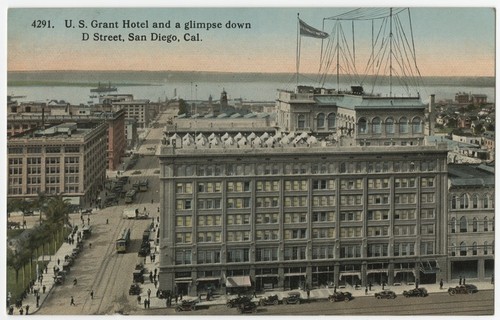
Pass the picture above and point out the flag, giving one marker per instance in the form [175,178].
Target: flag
[308,31]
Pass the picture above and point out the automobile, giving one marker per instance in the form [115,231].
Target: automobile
[88,210]
[186,305]
[417,292]
[385,294]
[144,251]
[59,280]
[28,213]
[237,301]
[463,289]
[269,300]
[134,289]
[138,276]
[340,296]
[293,298]
[247,307]
[139,266]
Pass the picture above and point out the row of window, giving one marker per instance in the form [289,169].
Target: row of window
[465,201]
[464,226]
[304,168]
[48,149]
[293,234]
[290,253]
[301,217]
[464,250]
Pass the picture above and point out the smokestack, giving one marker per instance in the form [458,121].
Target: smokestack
[43,117]
[432,100]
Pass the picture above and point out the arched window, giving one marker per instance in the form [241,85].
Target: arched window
[389,125]
[485,224]
[403,125]
[475,201]
[362,127]
[320,122]
[464,201]
[463,249]
[486,201]
[332,121]
[417,125]
[485,248]
[474,225]
[376,125]
[474,248]
[453,201]
[453,248]
[453,224]
[463,224]
[301,123]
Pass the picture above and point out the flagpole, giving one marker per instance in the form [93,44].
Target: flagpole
[297,63]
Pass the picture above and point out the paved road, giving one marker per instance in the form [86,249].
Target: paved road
[481,303]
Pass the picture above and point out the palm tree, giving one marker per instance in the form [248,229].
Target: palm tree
[17,258]
[57,211]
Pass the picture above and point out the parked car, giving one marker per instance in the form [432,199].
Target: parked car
[237,301]
[186,305]
[463,289]
[28,213]
[385,294]
[247,307]
[163,294]
[340,296]
[293,298]
[134,289]
[88,210]
[138,276]
[269,300]
[417,292]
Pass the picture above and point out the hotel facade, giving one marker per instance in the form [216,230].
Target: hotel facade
[345,193]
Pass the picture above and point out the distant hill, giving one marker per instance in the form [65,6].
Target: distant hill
[91,78]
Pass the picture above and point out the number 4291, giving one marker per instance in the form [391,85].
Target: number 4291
[41,24]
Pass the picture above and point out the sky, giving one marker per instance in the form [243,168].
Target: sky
[449,41]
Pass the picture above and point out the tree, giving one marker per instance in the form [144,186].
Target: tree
[17,258]
[478,129]
[57,211]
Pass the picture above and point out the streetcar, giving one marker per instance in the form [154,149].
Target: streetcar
[144,185]
[123,242]
[130,196]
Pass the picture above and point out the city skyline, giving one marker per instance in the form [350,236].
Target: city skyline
[448,41]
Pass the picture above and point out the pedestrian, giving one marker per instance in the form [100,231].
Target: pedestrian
[149,303]
[383,285]
[460,281]
[176,298]
[145,303]
[254,294]
[158,210]
[75,282]
[180,296]
[92,294]
[149,293]
[27,309]
[156,283]
[88,221]
[21,311]
[107,221]
[58,261]
[335,289]
[463,281]
[370,286]
[151,200]
[44,288]
[416,283]
[366,290]
[308,293]
[72,303]
[144,209]
[11,310]
[46,268]
[139,299]
[441,284]
[37,301]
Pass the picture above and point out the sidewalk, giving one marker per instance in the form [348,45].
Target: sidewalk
[48,278]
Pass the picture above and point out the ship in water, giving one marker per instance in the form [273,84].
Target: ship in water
[103,88]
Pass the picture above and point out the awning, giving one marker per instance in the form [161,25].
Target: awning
[208,279]
[404,271]
[183,280]
[265,275]
[242,281]
[350,274]
[377,271]
[295,274]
